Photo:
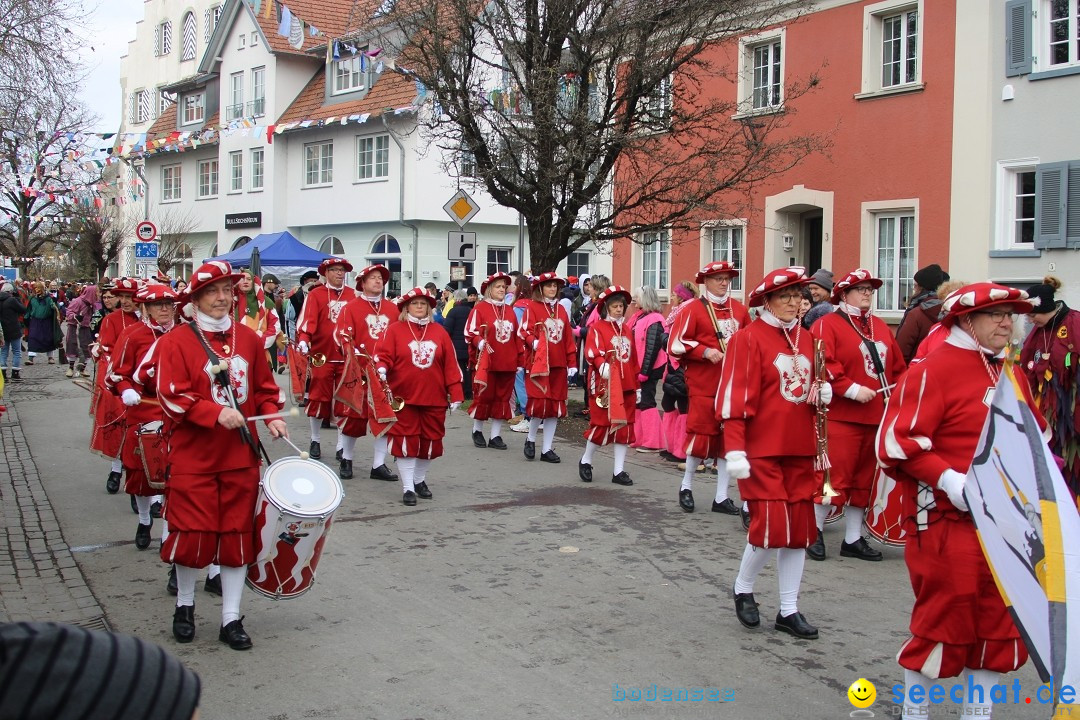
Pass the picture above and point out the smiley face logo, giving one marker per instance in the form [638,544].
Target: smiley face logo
[862,693]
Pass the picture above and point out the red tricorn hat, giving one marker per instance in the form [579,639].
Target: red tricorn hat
[125,285]
[155,292]
[981,296]
[381,269]
[715,268]
[208,274]
[614,291]
[858,276]
[793,276]
[413,294]
[492,278]
[332,261]
[547,277]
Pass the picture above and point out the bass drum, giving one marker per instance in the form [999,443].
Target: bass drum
[885,516]
[297,501]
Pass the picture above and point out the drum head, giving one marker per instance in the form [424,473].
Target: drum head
[303,487]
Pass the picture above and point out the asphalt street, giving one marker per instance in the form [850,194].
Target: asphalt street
[517,592]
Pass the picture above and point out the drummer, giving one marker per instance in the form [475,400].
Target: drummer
[213,455]
[107,434]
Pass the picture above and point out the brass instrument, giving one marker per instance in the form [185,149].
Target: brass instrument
[317,359]
[821,462]
[396,403]
[603,398]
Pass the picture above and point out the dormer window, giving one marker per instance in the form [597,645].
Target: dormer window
[350,74]
[194,108]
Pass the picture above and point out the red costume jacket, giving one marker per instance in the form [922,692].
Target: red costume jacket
[848,363]
[365,322]
[614,344]
[133,345]
[420,363]
[762,399]
[109,333]
[318,319]
[497,324]
[560,337]
[693,333]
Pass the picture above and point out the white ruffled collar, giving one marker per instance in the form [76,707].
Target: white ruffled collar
[213,325]
[771,319]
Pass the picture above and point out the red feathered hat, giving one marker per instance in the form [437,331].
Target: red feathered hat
[981,296]
[492,278]
[413,294]
[547,277]
[331,261]
[125,285]
[715,268]
[381,269]
[858,276]
[208,274]
[613,291]
[155,292]
[793,276]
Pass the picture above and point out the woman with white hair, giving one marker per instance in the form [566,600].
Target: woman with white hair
[648,329]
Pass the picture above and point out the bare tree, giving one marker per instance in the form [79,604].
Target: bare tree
[38,44]
[174,227]
[596,119]
[99,237]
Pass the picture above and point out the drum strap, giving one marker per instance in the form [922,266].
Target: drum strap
[871,348]
[222,378]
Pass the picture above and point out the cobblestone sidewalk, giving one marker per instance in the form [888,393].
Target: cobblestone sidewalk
[39,579]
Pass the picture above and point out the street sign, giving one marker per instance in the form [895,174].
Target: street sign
[146,231]
[461,208]
[146,251]
[462,246]
[457,273]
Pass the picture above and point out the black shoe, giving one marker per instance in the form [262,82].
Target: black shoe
[478,439]
[15,375]
[551,457]
[746,609]
[339,454]
[816,551]
[409,498]
[213,585]
[744,513]
[112,484]
[142,535]
[314,450]
[422,490]
[155,510]
[622,479]
[584,471]
[665,455]
[345,470]
[170,587]
[686,500]
[326,424]
[303,402]
[234,636]
[726,508]
[383,473]
[859,549]
[530,450]
[496,443]
[134,505]
[796,625]
[183,623]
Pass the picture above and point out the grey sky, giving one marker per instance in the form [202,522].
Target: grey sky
[110,25]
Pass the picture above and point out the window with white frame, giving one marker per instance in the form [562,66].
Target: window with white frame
[577,263]
[208,178]
[892,46]
[1057,205]
[372,157]
[165,99]
[236,171]
[145,106]
[894,249]
[163,38]
[170,183]
[319,163]
[1061,29]
[331,245]
[183,266]
[498,260]
[191,37]
[466,163]
[726,243]
[254,39]
[1016,205]
[241,41]
[194,108]
[656,106]
[236,97]
[656,260]
[258,92]
[350,73]
[767,85]
[257,159]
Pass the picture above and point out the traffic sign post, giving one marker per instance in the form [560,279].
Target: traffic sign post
[146,231]
[461,208]
[462,246]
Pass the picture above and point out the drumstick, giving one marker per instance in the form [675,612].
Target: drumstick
[150,401]
[304,454]
[291,412]
[887,387]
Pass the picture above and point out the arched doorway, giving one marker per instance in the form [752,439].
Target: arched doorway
[385,250]
[799,229]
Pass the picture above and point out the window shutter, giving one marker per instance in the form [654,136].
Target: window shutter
[157,41]
[1050,188]
[1017,37]
[1072,206]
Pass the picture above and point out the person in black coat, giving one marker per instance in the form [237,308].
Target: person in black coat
[11,313]
[454,323]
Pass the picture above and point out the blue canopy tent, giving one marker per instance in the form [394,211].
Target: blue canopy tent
[279,253]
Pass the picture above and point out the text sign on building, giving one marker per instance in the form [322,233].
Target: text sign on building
[146,231]
[462,246]
[146,251]
[461,208]
[243,220]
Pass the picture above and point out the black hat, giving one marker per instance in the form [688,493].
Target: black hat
[931,276]
[471,291]
[270,277]
[1041,296]
[309,275]
[52,670]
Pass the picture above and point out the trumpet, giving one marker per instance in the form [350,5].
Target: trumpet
[317,359]
[821,422]
[396,403]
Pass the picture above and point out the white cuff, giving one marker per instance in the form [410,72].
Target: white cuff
[852,392]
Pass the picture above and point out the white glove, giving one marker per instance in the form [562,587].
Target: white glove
[303,347]
[536,344]
[571,373]
[825,393]
[605,371]
[382,373]
[638,396]
[952,484]
[130,397]
[738,467]
[480,346]
[454,406]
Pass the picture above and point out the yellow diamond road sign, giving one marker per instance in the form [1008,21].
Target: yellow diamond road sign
[461,208]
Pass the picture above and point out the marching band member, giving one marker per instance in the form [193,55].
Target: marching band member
[363,322]
[928,438]
[210,376]
[610,351]
[315,335]
[697,342]
[553,362]
[863,362]
[416,356]
[107,435]
[768,410]
[492,333]
[157,311]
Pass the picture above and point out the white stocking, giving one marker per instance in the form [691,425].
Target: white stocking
[722,480]
[620,458]
[213,570]
[232,587]
[820,513]
[117,465]
[143,504]
[496,428]
[185,585]
[420,474]
[753,560]
[986,679]
[348,444]
[688,474]
[379,453]
[316,429]
[406,468]
[549,432]
[789,569]
[534,425]
[340,440]
[164,530]
[853,522]
[477,425]
[913,710]
[590,448]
